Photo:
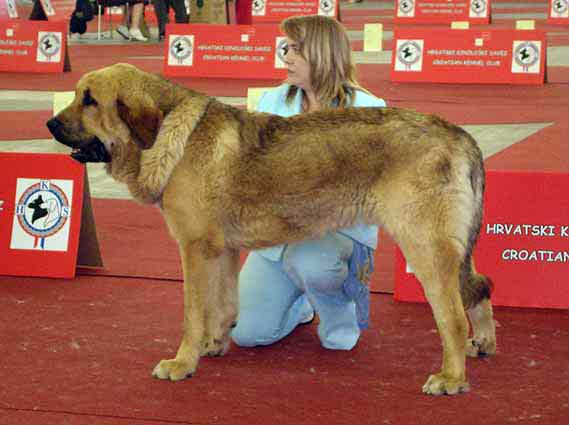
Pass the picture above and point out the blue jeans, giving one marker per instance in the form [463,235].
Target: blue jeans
[275,296]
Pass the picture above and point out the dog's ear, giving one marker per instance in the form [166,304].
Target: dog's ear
[143,118]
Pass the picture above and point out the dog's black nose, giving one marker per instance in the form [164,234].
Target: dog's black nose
[54,125]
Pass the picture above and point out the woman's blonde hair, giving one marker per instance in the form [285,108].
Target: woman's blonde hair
[324,44]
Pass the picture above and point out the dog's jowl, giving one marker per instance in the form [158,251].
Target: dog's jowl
[227,179]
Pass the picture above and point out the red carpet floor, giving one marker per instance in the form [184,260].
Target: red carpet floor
[82,352]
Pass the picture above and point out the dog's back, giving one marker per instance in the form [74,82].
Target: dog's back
[341,148]
[331,169]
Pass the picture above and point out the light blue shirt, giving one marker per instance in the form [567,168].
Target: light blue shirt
[274,102]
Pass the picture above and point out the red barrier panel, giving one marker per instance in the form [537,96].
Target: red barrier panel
[523,245]
[442,11]
[274,11]
[43,202]
[498,56]
[224,51]
[32,46]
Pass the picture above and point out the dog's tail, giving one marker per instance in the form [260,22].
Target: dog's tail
[474,287]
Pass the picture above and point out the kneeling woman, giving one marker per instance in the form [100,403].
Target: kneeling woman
[283,286]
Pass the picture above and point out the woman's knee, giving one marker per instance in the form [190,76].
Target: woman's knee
[248,334]
[257,329]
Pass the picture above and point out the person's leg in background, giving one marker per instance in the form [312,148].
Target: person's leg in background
[37,13]
[180,12]
[320,268]
[270,305]
[132,17]
[161,10]
[122,29]
[137,15]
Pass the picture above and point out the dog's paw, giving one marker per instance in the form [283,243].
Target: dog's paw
[479,347]
[174,370]
[213,347]
[440,384]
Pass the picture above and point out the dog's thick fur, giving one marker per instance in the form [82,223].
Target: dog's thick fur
[227,179]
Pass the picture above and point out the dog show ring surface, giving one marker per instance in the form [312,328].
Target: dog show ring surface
[523,245]
[82,351]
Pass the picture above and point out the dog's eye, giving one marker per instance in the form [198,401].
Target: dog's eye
[88,100]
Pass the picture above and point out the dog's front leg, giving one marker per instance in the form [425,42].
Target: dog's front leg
[198,266]
[221,310]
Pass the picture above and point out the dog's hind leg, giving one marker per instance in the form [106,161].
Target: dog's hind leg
[437,265]
[221,308]
[200,263]
[476,296]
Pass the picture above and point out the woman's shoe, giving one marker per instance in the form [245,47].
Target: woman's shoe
[123,31]
[136,34]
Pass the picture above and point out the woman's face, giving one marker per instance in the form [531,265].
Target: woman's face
[298,67]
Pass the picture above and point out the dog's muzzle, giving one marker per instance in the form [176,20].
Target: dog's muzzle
[92,150]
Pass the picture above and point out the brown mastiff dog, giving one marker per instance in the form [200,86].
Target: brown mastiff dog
[227,179]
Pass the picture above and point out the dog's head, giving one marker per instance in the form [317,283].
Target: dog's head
[112,113]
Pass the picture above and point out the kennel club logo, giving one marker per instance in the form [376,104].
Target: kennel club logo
[526,57]
[49,46]
[326,7]
[281,49]
[560,8]
[406,8]
[42,214]
[409,55]
[181,50]
[478,8]
[259,8]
